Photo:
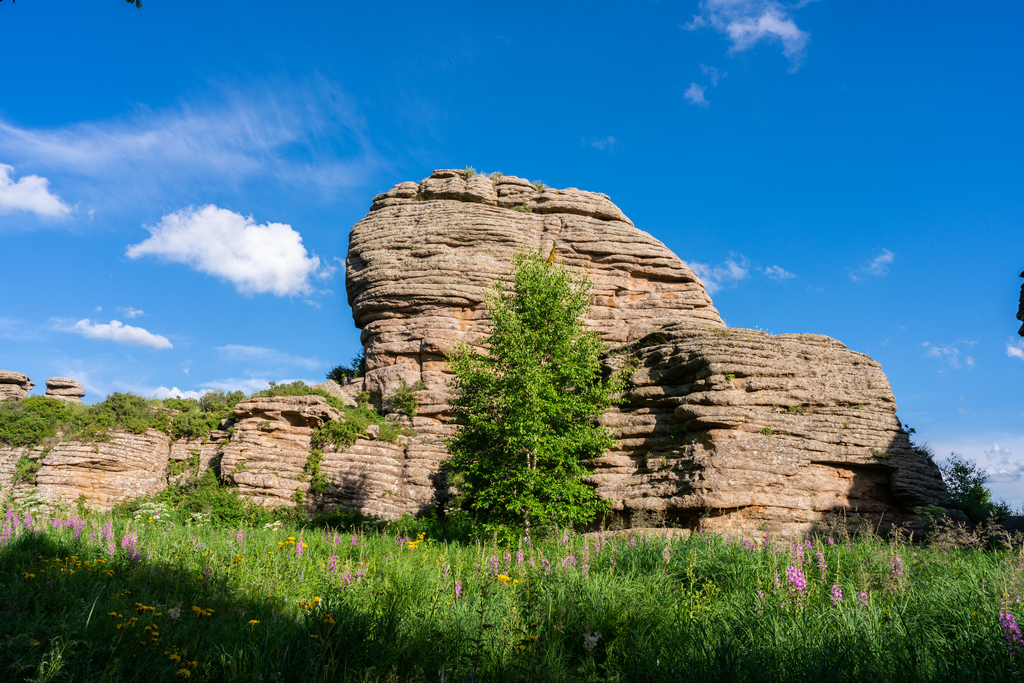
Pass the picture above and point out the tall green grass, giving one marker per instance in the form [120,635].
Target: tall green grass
[152,597]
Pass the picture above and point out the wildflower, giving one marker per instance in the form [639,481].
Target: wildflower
[532,639]
[896,574]
[862,598]
[253,622]
[590,640]
[837,595]
[822,566]
[1011,632]
[458,589]
[503,578]
[174,658]
[664,554]
[174,612]
[184,673]
[332,563]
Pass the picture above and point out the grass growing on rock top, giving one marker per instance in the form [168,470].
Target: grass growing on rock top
[149,594]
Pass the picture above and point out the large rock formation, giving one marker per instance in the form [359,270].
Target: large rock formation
[737,428]
[270,446]
[14,385]
[64,389]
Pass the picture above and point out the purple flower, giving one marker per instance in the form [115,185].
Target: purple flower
[896,574]
[665,554]
[332,563]
[519,556]
[862,598]
[1011,632]
[837,595]
[822,566]
[458,590]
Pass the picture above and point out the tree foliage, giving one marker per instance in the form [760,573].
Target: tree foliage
[966,483]
[527,410]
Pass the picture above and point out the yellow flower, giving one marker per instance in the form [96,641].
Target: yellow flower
[503,578]
[184,673]
[312,636]
[532,639]
[253,622]
[291,538]
[316,599]
[174,658]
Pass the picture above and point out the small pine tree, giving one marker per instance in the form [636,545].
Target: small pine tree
[527,411]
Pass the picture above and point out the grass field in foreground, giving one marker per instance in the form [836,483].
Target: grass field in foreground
[158,599]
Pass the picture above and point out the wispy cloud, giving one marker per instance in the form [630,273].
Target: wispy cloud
[259,354]
[131,312]
[310,139]
[1001,465]
[255,258]
[249,384]
[605,144]
[778,273]
[114,331]
[949,355]
[713,74]
[174,392]
[878,266]
[695,95]
[1015,350]
[745,23]
[30,193]
[717,277]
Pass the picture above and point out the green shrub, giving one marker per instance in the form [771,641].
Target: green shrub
[28,422]
[317,481]
[25,470]
[404,398]
[967,491]
[357,368]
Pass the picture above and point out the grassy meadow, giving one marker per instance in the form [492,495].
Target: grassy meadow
[154,594]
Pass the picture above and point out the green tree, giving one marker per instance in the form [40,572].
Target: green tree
[527,411]
[357,368]
[966,483]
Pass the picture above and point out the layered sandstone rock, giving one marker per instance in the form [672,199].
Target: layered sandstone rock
[64,389]
[737,428]
[750,431]
[271,444]
[422,262]
[14,385]
[190,457]
[105,472]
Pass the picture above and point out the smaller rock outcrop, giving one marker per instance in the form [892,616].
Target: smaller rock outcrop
[105,472]
[64,389]
[346,393]
[270,446]
[14,385]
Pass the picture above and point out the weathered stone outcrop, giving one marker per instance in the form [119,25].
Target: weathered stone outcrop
[742,430]
[271,444]
[105,472]
[422,262]
[64,389]
[14,385]
[737,428]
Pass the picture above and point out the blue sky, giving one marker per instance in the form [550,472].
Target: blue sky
[177,183]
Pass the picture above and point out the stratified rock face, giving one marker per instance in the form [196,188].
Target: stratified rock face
[422,262]
[64,389]
[759,432]
[271,444]
[14,385]
[105,472]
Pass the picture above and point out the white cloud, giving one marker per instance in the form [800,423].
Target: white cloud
[250,384]
[695,95]
[114,331]
[778,273]
[254,258]
[309,138]
[949,356]
[1015,350]
[1001,465]
[259,354]
[875,267]
[606,143]
[131,312]
[175,392]
[713,74]
[723,275]
[747,22]
[31,193]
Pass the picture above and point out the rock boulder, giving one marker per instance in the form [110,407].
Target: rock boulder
[64,389]
[14,385]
